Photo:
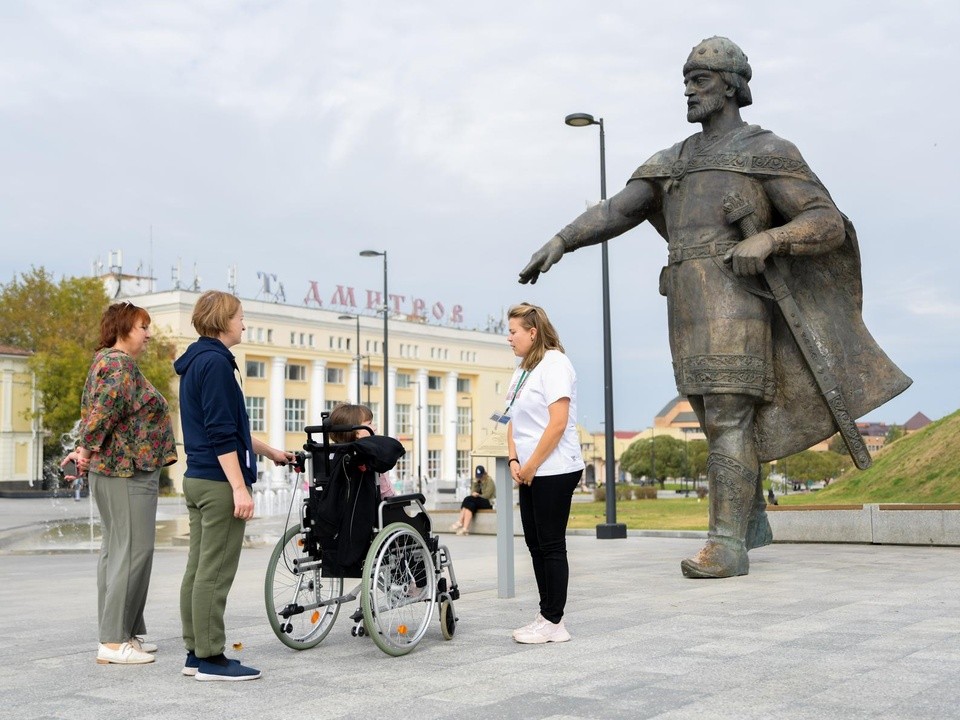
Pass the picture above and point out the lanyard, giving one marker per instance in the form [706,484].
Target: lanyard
[516,390]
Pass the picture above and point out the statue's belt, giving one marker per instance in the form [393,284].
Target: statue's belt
[678,253]
[730,162]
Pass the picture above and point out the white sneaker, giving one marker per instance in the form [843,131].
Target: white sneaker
[529,626]
[544,632]
[126,654]
[142,645]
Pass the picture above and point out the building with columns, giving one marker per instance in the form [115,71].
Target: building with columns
[296,362]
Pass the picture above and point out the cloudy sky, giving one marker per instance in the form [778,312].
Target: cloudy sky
[285,136]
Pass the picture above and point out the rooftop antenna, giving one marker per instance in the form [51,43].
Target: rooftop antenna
[150,264]
[232,279]
[116,261]
[175,275]
[196,279]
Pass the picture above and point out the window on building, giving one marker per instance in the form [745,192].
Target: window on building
[256,369]
[404,468]
[329,405]
[256,409]
[293,338]
[433,463]
[375,409]
[463,464]
[269,335]
[296,372]
[434,417]
[434,382]
[371,377]
[463,421]
[403,381]
[404,415]
[335,375]
[463,385]
[294,414]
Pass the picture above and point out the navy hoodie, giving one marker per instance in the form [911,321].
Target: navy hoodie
[213,414]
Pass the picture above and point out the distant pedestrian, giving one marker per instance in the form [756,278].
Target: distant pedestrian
[125,438]
[771,498]
[483,491]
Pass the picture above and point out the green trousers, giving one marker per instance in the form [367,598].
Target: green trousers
[128,520]
[216,538]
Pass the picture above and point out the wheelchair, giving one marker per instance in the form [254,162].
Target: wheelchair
[404,572]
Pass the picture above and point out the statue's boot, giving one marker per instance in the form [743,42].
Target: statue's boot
[731,498]
[759,532]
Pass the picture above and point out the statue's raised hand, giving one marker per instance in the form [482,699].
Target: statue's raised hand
[542,260]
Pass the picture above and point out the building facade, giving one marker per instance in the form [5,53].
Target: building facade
[443,383]
[21,439]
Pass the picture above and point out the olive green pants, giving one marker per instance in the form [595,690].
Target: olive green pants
[128,520]
[216,538]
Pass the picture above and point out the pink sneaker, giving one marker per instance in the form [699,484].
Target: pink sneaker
[543,632]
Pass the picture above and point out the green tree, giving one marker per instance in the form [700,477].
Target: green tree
[813,466]
[660,457]
[894,433]
[60,323]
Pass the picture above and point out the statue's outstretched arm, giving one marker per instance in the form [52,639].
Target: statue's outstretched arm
[609,218]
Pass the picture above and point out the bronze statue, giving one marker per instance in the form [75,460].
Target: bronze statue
[763,298]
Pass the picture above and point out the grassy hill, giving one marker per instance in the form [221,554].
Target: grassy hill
[923,467]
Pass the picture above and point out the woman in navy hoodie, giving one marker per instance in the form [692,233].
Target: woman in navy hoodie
[221,467]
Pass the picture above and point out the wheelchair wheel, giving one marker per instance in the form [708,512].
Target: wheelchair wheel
[399,589]
[285,590]
[448,619]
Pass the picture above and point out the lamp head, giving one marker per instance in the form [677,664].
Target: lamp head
[372,253]
[580,120]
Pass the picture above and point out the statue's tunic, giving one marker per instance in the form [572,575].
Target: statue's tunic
[726,335]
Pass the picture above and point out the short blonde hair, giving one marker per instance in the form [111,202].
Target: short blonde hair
[213,312]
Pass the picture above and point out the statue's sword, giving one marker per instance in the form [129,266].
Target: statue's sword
[776,273]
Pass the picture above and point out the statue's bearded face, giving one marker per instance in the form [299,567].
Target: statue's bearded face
[706,94]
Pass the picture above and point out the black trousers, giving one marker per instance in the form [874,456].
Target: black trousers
[473,504]
[544,511]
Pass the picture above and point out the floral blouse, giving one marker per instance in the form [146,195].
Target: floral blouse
[124,421]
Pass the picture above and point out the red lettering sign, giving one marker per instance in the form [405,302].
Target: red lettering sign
[343,296]
[313,295]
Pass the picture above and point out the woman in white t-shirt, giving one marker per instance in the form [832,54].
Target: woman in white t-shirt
[544,460]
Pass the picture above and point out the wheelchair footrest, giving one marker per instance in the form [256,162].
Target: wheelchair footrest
[290,610]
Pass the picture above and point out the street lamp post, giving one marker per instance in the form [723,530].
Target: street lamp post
[611,529]
[368,381]
[356,355]
[419,442]
[386,355]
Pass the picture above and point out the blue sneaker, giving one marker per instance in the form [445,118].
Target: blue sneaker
[191,665]
[221,668]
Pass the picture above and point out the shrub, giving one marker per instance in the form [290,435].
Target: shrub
[644,492]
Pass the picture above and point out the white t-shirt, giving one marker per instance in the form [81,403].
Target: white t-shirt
[553,378]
